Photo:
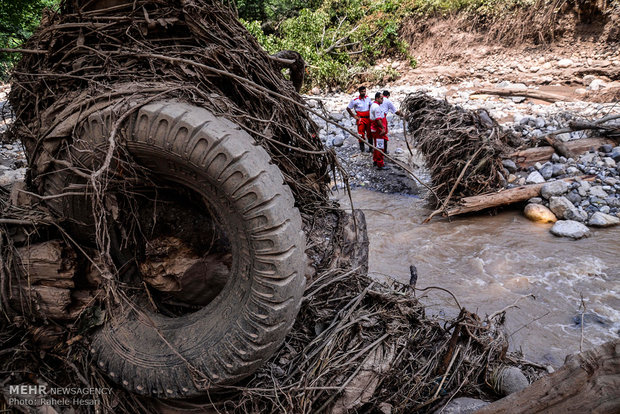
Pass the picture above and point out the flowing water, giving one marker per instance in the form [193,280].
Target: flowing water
[489,262]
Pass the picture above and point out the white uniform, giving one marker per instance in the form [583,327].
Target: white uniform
[360,105]
[388,106]
[376,111]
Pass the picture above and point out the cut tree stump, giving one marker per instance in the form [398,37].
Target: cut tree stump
[501,198]
[587,383]
[50,263]
[531,156]
[45,286]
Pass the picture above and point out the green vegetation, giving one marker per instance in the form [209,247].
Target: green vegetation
[18,19]
[339,39]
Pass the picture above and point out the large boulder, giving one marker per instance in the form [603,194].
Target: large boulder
[570,228]
[539,213]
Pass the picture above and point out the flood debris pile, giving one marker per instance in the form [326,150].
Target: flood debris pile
[195,51]
[462,148]
[363,345]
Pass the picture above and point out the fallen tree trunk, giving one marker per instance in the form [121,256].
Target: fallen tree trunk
[587,383]
[543,96]
[501,198]
[531,156]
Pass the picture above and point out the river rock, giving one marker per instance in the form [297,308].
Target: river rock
[600,219]
[596,84]
[534,178]
[510,380]
[554,189]
[462,405]
[615,154]
[597,191]
[564,63]
[570,228]
[560,206]
[573,197]
[546,171]
[338,141]
[539,213]
[509,165]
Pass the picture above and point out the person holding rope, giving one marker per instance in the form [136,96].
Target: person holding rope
[388,106]
[379,131]
[361,106]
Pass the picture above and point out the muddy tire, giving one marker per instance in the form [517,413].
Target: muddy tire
[233,335]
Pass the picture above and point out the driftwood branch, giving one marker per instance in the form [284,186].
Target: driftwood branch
[543,96]
[501,198]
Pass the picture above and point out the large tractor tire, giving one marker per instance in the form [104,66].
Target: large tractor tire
[233,335]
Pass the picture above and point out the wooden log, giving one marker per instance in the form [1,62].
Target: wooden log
[51,263]
[543,96]
[501,198]
[531,156]
[587,383]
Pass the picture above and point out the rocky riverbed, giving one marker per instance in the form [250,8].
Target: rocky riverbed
[591,201]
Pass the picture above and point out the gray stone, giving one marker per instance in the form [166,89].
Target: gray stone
[564,137]
[570,228]
[509,165]
[510,380]
[572,170]
[598,191]
[564,209]
[462,405]
[554,189]
[558,169]
[615,154]
[609,162]
[606,148]
[534,178]
[597,84]
[600,219]
[535,200]
[573,197]
[540,122]
[337,116]
[547,171]
[338,141]
[398,151]
[555,157]
[564,63]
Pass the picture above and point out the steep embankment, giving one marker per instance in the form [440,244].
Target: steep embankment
[549,42]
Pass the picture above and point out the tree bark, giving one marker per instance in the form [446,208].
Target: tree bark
[587,383]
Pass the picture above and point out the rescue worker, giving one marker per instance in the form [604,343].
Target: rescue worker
[388,106]
[361,106]
[379,131]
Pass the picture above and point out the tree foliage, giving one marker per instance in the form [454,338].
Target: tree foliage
[340,39]
[18,19]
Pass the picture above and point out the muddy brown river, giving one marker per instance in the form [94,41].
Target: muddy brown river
[489,262]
